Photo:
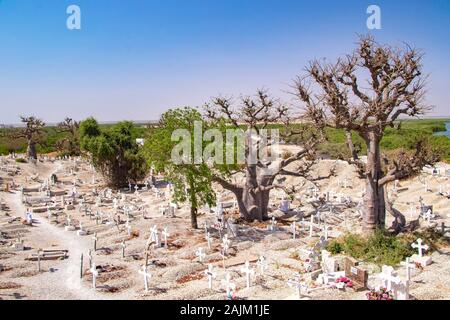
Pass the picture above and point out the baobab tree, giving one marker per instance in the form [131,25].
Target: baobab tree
[32,132]
[71,142]
[254,115]
[366,92]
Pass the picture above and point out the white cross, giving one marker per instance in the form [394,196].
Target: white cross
[262,264]
[229,286]
[225,244]
[325,231]
[208,238]
[94,275]
[210,274]
[273,224]
[248,272]
[206,229]
[128,227]
[294,230]
[200,254]
[429,215]
[297,284]
[388,276]
[165,234]
[154,235]
[420,247]
[408,265]
[146,275]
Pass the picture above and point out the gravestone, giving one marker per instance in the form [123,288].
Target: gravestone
[420,258]
[357,275]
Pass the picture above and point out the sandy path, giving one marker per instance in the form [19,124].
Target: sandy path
[64,282]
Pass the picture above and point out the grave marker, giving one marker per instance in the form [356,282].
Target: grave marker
[165,234]
[200,254]
[146,275]
[248,272]
[229,286]
[211,275]
[262,264]
[94,276]
[358,276]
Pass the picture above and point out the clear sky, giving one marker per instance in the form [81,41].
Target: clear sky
[133,59]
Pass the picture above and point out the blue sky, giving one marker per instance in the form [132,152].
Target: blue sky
[134,59]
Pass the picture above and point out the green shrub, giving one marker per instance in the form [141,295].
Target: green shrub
[21,160]
[383,248]
[380,248]
[335,247]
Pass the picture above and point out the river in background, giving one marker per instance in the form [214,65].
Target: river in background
[444,133]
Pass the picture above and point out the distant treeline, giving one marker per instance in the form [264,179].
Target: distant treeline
[51,137]
[334,147]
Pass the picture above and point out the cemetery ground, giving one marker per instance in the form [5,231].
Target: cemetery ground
[89,242]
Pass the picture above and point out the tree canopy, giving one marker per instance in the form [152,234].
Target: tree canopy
[114,151]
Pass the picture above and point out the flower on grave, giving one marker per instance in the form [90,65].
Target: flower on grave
[381,294]
[346,281]
[231,296]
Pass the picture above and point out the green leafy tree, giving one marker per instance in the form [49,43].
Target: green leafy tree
[192,182]
[114,151]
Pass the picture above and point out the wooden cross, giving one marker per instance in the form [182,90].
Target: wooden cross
[95,241]
[39,255]
[90,258]
[420,247]
[248,272]
[211,275]
[81,267]
[146,275]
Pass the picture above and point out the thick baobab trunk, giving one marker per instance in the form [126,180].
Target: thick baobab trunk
[252,201]
[374,200]
[31,150]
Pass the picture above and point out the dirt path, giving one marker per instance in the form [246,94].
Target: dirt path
[60,279]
